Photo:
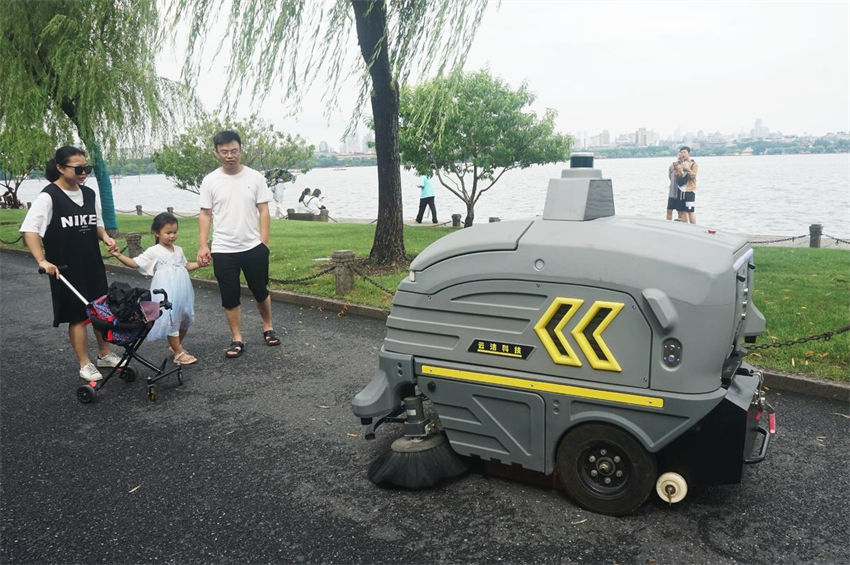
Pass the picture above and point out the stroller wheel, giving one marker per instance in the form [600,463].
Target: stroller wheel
[127,374]
[152,394]
[85,394]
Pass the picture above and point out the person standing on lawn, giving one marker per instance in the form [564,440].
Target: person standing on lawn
[235,199]
[65,216]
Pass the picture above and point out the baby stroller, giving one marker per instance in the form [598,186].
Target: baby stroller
[128,326]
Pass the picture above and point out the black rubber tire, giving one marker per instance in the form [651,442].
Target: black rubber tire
[85,394]
[127,374]
[605,450]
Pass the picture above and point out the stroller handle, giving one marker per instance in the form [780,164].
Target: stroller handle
[82,298]
[164,303]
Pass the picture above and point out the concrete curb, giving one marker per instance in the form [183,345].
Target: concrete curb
[810,386]
[802,384]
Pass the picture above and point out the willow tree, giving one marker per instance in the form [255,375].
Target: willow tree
[294,44]
[84,68]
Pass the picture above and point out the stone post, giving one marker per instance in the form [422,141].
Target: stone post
[170,210]
[323,215]
[134,244]
[29,205]
[138,209]
[290,212]
[455,220]
[815,231]
[343,275]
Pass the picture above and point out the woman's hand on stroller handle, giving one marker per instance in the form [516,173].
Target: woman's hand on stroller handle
[45,267]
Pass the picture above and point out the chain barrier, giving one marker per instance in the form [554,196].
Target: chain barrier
[792,238]
[837,240]
[304,279]
[372,281]
[3,241]
[826,336]
[186,215]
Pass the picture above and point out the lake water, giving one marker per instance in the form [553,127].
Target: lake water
[771,194]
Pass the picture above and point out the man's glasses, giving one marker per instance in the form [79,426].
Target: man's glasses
[228,152]
[81,169]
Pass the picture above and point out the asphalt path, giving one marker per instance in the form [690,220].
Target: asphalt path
[260,460]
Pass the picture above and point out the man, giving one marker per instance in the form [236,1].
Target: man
[426,198]
[237,199]
[683,183]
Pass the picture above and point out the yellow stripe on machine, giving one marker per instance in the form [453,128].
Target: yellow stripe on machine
[568,390]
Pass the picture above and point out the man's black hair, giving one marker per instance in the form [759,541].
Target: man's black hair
[226,136]
[685,147]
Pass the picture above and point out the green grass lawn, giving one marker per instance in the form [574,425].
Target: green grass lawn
[801,291]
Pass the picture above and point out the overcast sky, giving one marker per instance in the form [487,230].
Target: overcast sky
[711,66]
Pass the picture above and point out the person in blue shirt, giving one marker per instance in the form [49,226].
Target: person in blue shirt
[426,198]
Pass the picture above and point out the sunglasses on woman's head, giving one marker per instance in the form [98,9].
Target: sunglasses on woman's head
[81,169]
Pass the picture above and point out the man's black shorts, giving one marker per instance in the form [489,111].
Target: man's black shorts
[254,264]
[683,203]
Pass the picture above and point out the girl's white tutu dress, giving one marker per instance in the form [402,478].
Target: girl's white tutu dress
[169,273]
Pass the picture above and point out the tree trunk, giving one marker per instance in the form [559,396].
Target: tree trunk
[470,214]
[371,20]
[104,184]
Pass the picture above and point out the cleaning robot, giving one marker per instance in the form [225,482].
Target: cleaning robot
[603,350]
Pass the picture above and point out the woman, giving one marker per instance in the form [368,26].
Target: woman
[65,217]
[302,202]
[314,203]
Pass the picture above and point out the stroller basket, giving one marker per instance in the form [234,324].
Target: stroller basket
[122,332]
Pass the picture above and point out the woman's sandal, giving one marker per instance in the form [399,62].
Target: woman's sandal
[271,338]
[185,358]
[234,350]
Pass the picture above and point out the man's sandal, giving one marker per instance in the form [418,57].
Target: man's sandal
[185,358]
[234,350]
[271,338]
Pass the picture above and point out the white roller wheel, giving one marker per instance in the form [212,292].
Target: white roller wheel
[671,487]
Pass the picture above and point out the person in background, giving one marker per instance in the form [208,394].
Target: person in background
[426,198]
[167,264]
[315,202]
[65,217]
[302,202]
[675,198]
[278,193]
[687,180]
[237,199]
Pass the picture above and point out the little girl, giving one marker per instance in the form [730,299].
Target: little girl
[170,270]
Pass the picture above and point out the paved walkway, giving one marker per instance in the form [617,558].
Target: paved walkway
[261,460]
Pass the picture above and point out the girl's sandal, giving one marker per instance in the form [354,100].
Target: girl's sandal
[185,358]
[234,350]
[271,338]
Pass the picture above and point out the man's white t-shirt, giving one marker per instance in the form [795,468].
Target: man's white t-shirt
[233,201]
[41,212]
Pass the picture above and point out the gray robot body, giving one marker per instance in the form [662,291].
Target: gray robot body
[521,333]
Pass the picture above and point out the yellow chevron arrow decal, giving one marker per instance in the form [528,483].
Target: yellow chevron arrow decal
[598,317]
[550,326]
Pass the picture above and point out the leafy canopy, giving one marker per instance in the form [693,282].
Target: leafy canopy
[84,66]
[470,128]
[22,151]
[295,44]
[190,157]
